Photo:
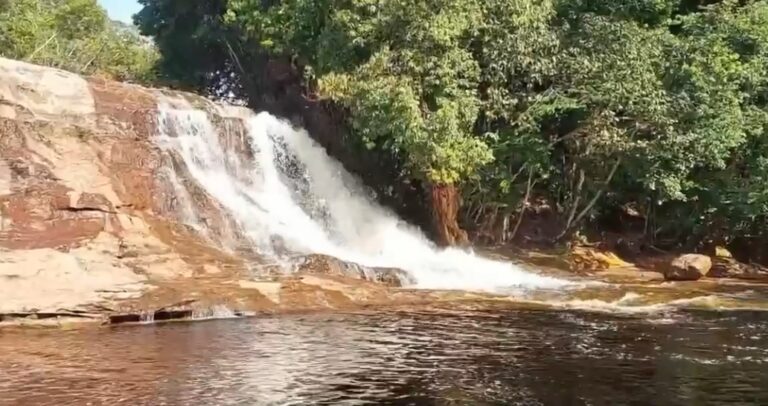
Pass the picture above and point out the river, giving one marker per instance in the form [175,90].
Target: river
[513,356]
[567,340]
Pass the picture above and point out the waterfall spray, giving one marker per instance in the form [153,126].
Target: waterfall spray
[292,199]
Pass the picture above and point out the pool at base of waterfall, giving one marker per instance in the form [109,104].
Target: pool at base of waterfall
[521,356]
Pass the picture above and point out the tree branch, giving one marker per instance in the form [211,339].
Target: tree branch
[234,57]
[40,48]
[594,200]
[576,200]
[524,205]
[96,55]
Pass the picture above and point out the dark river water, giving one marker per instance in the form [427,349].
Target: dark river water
[526,357]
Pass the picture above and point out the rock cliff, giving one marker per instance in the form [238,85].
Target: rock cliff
[90,209]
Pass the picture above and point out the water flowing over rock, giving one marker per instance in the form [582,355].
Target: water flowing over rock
[323,264]
[115,197]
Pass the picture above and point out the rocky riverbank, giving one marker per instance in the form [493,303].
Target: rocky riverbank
[91,214]
[95,221]
[668,266]
[99,223]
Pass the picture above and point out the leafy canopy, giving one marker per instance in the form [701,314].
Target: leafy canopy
[404,69]
[75,35]
[656,103]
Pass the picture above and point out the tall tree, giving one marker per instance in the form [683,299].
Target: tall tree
[587,105]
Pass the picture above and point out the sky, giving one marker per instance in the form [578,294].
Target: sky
[121,10]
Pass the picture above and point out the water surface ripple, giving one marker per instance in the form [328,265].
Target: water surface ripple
[503,357]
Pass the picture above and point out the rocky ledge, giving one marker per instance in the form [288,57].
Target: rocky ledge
[663,266]
[91,215]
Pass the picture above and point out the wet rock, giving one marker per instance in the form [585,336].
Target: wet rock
[629,247]
[724,268]
[327,265]
[390,277]
[591,259]
[97,219]
[190,309]
[689,267]
[48,315]
[754,273]
[730,268]
[87,216]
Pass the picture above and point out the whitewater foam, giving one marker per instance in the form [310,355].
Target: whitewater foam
[633,303]
[292,198]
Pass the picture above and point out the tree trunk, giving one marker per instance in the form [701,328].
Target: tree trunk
[445,202]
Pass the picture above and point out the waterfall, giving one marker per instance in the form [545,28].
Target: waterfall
[291,198]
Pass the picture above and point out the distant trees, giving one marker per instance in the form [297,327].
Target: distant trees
[75,35]
[590,106]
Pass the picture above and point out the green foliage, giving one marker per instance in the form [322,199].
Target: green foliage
[404,70]
[661,104]
[679,99]
[192,42]
[75,35]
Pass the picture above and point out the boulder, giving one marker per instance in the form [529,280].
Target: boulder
[689,267]
[722,252]
[725,268]
[590,259]
[326,265]
[731,268]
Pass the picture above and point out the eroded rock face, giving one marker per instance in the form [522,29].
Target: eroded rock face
[49,280]
[689,267]
[94,215]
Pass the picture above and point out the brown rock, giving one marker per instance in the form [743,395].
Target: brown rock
[96,217]
[326,265]
[445,201]
[40,217]
[129,105]
[725,268]
[583,258]
[753,273]
[689,267]
[730,268]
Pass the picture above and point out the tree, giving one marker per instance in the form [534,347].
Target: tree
[192,42]
[588,105]
[75,35]
[405,73]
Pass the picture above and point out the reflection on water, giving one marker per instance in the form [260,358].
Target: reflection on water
[500,357]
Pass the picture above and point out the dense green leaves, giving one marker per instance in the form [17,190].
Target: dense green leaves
[192,41]
[588,105]
[404,69]
[675,99]
[75,35]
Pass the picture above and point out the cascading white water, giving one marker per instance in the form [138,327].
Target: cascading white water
[293,198]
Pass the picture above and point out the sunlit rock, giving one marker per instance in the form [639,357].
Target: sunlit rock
[689,267]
